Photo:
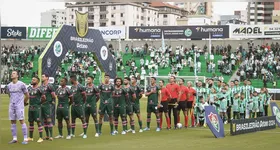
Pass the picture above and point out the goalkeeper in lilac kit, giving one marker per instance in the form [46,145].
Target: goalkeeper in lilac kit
[19,96]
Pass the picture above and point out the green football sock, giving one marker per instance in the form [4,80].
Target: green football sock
[50,128]
[132,125]
[46,129]
[100,127]
[96,127]
[68,131]
[31,129]
[60,130]
[140,124]
[40,129]
[73,128]
[85,128]
[111,127]
[148,121]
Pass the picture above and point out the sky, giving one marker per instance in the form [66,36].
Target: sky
[28,13]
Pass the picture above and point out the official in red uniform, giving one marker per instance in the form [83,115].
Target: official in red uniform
[165,97]
[173,88]
[182,104]
[190,102]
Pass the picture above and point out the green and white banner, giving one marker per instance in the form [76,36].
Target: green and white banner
[42,33]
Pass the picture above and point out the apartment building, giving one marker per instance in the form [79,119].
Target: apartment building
[167,13]
[53,18]
[260,12]
[242,15]
[114,14]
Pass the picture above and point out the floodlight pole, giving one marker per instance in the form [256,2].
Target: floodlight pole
[195,62]
[0,49]
[210,43]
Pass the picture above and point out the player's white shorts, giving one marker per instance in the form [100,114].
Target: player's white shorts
[223,110]
[16,112]
[255,110]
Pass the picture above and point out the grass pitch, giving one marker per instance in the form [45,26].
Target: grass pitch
[191,138]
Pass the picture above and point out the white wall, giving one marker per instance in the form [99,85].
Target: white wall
[171,20]
[199,21]
[243,15]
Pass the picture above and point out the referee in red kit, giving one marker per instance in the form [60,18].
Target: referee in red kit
[174,89]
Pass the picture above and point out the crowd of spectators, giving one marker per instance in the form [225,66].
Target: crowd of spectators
[20,59]
[259,61]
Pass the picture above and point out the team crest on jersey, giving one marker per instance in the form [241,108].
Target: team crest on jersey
[276,112]
[74,90]
[33,92]
[214,121]
[62,92]
[89,90]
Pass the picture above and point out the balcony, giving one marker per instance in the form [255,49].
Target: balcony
[252,10]
[169,12]
[260,5]
[103,20]
[252,17]
[104,12]
[260,11]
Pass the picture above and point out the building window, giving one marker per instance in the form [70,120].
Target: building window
[103,8]
[113,23]
[114,7]
[112,15]
[123,22]
[121,14]
[91,24]
[102,16]
[72,24]
[137,17]
[164,22]
[164,16]
[142,24]
[148,18]
[91,17]
[61,17]
[267,15]
[148,11]
[142,17]
[103,24]
[80,9]
[72,9]
[91,9]
[72,16]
